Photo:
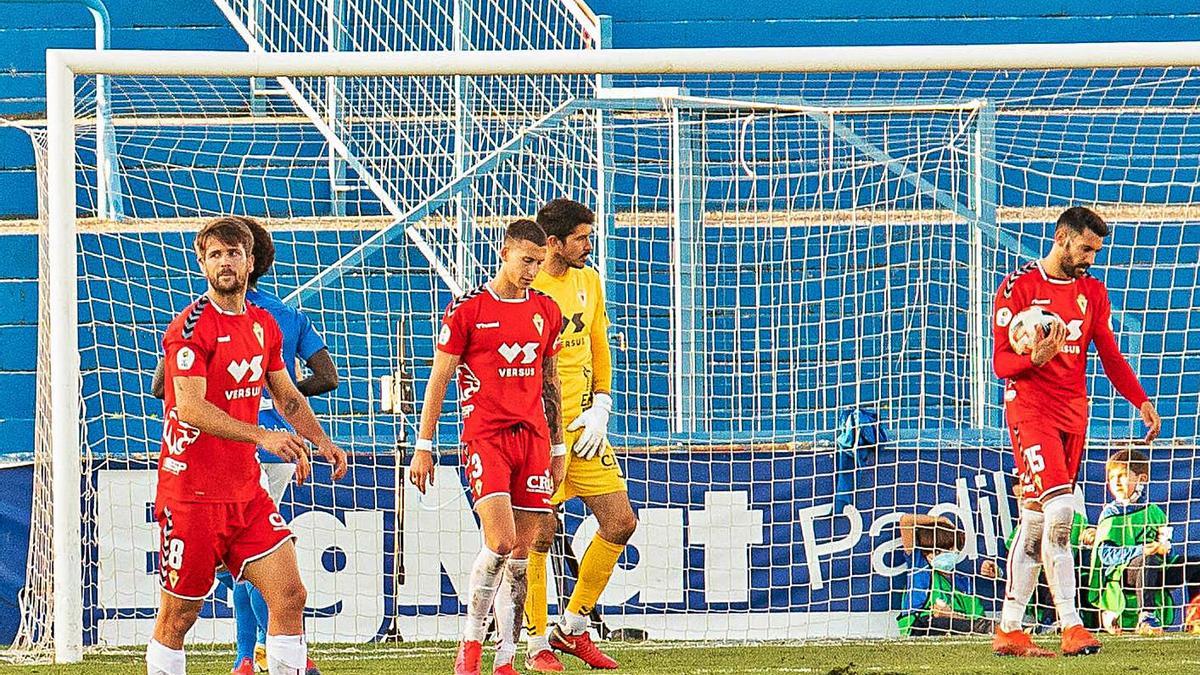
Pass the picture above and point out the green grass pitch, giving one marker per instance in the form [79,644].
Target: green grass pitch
[1159,656]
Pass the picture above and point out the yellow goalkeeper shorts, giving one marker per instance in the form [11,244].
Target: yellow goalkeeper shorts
[599,475]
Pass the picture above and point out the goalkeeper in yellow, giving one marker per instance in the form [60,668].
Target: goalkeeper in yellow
[592,473]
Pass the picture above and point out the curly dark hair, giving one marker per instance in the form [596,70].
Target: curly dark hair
[560,217]
[264,249]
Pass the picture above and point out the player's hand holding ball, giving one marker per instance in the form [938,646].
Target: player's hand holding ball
[1049,343]
[594,422]
[290,448]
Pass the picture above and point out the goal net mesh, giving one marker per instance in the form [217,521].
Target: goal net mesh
[779,252]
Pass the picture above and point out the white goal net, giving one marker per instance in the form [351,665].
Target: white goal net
[778,249]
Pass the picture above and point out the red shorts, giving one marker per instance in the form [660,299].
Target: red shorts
[198,536]
[513,462]
[1047,458]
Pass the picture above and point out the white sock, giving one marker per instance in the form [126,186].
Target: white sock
[162,660]
[1024,565]
[510,607]
[574,623]
[286,654]
[485,577]
[536,643]
[1058,558]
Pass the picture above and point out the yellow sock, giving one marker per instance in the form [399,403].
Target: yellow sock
[594,570]
[536,616]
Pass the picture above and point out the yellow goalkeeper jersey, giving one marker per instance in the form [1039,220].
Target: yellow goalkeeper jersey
[585,363]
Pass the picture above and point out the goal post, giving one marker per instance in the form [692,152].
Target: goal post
[776,251]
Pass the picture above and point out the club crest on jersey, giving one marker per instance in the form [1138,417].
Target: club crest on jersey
[258,333]
[1082,302]
[173,577]
[538,323]
[582,297]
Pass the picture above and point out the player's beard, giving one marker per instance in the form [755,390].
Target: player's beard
[228,284]
[579,261]
[1074,270]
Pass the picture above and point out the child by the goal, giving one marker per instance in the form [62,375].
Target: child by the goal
[940,599]
[1133,567]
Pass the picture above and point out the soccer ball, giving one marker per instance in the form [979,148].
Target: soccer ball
[1022,331]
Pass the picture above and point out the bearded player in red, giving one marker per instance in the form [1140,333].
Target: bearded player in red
[209,504]
[502,339]
[1045,400]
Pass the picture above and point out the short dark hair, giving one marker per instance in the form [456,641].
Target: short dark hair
[1080,218]
[941,535]
[525,230]
[227,230]
[561,216]
[1132,459]
[264,249]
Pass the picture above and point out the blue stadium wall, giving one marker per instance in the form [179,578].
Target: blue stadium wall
[27,29]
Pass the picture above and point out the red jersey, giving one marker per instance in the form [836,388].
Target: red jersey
[503,343]
[233,352]
[1056,392]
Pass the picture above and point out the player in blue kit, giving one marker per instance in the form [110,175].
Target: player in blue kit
[300,341]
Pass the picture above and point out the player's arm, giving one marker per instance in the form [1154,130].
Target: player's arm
[594,420]
[311,347]
[601,350]
[295,409]
[421,469]
[192,407]
[1006,362]
[157,385]
[552,403]
[1120,373]
[324,377]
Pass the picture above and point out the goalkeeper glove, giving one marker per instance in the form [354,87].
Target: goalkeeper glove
[594,422]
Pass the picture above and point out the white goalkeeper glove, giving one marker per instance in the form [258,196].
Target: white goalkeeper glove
[594,422]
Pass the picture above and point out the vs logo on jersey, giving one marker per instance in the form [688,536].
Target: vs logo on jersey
[238,369]
[527,352]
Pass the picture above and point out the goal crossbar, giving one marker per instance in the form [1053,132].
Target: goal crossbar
[629,61]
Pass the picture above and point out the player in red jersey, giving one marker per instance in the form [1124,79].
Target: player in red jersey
[1045,401]
[209,504]
[502,340]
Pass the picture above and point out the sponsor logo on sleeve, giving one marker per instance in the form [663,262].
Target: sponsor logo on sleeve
[1004,317]
[444,335]
[185,358]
